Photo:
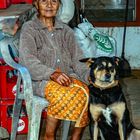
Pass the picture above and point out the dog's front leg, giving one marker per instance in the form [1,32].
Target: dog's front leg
[119,109]
[96,110]
[120,129]
[95,133]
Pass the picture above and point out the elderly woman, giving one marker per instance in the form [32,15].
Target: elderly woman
[49,50]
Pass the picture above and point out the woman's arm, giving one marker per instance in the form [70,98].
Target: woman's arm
[28,56]
[80,69]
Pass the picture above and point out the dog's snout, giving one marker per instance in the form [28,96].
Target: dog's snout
[108,75]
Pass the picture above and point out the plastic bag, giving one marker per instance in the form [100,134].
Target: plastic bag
[101,43]
[66,10]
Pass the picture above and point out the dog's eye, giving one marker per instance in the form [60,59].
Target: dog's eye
[100,67]
[111,69]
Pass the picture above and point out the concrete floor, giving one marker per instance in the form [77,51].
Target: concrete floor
[42,133]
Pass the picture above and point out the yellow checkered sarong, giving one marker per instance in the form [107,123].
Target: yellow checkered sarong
[68,103]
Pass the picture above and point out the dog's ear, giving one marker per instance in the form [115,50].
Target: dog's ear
[88,61]
[116,60]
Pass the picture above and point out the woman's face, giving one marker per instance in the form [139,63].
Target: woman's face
[47,8]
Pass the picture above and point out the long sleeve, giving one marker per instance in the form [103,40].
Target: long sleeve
[79,68]
[28,56]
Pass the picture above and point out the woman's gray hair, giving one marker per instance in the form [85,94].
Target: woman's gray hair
[36,0]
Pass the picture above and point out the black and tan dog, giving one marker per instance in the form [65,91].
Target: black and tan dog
[107,103]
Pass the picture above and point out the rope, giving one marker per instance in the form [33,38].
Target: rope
[86,105]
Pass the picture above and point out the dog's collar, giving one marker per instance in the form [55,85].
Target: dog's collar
[101,88]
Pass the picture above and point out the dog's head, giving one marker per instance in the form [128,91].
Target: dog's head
[103,71]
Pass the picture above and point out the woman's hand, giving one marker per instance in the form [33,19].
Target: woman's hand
[61,78]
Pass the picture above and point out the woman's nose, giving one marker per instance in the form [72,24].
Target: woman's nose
[49,3]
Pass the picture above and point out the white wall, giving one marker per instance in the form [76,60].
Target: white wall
[132,44]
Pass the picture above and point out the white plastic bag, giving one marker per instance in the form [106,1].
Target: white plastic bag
[86,44]
[101,43]
[66,11]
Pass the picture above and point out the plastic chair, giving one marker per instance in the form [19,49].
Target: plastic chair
[34,104]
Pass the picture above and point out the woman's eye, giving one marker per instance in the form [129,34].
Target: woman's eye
[43,1]
[55,1]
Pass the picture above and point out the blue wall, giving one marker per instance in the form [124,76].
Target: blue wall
[132,45]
